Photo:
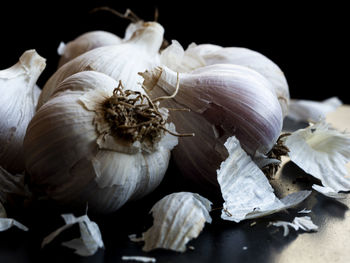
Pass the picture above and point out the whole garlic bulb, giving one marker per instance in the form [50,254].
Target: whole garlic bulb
[19,96]
[208,54]
[74,150]
[84,43]
[121,62]
[224,100]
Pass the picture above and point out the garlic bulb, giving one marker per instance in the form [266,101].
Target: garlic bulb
[19,95]
[84,43]
[224,100]
[121,62]
[89,144]
[208,54]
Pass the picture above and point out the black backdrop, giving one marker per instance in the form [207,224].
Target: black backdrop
[306,41]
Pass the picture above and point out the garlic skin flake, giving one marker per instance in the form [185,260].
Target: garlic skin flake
[90,240]
[178,218]
[207,54]
[304,223]
[322,152]
[19,96]
[312,111]
[223,100]
[6,223]
[246,190]
[121,61]
[84,43]
[71,134]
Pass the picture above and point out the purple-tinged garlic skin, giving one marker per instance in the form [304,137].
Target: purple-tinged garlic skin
[224,100]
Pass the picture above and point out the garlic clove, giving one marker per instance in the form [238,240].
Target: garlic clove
[121,62]
[69,133]
[84,43]
[223,102]
[322,152]
[246,190]
[18,102]
[178,218]
[213,54]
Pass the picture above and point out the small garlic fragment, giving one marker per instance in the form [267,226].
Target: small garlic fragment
[246,190]
[19,95]
[178,218]
[304,223]
[322,152]
[312,111]
[6,223]
[90,240]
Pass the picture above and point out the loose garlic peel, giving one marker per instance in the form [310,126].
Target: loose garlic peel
[84,154]
[19,96]
[178,218]
[322,152]
[246,190]
[121,62]
[196,56]
[224,100]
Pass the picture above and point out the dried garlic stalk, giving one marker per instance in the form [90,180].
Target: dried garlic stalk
[90,239]
[322,152]
[246,190]
[178,218]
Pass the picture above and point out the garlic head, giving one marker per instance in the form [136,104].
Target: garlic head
[91,144]
[224,100]
[84,43]
[121,62]
[19,96]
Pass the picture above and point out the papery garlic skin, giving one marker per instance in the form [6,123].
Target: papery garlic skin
[19,96]
[67,155]
[121,62]
[178,218]
[224,100]
[84,43]
[214,54]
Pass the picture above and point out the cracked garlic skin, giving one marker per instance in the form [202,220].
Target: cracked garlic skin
[224,100]
[86,42]
[121,62]
[75,155]
[19,96]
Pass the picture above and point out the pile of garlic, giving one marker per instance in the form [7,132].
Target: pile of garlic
[102,130]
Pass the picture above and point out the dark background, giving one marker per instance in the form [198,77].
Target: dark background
[307,41]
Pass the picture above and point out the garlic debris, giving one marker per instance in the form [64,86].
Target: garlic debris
[121,62]
[178,218]
[90,240]
[304,223]
[92,137]
[6,223]
[19,95]
[246,190]
[84,43]
[207,54]
[322,152]
[224,100]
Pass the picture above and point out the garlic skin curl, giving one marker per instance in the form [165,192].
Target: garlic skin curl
[224,100]
[74,156]
[84,43]
[19,96]
[121,62]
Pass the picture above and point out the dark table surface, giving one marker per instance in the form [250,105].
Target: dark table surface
[221,241]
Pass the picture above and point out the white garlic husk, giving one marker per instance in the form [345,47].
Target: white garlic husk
[75,156]
[84,43]
[121,62]
[208,54]
[19,96]
[224,100]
